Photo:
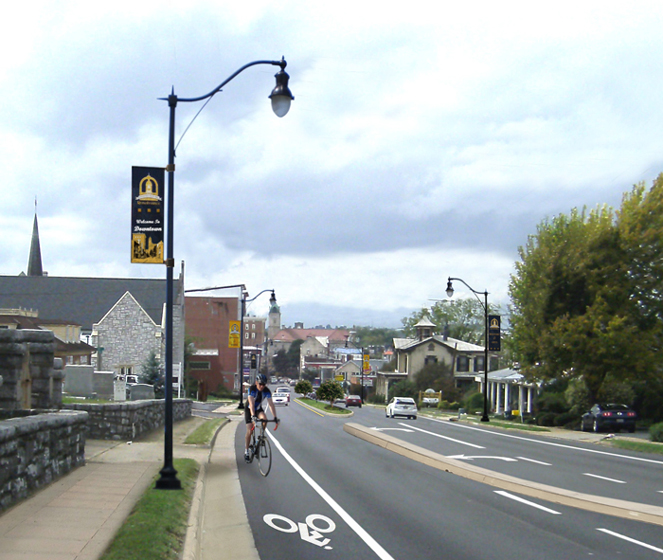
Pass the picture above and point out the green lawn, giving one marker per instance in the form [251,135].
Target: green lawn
[324,406]
[156,528]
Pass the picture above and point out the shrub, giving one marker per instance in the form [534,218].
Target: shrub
[566,418]
[375,399]
[546,419]
[474,402]
[443,405]
[656,432]
[454,405]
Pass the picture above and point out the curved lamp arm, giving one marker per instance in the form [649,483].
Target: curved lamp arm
[450,291]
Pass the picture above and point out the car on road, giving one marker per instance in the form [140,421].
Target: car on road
[430,398]
[283,391]
[610,416]
[401,406]
[352,400]
[281,399]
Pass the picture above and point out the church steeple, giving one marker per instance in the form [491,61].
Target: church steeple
[34,260]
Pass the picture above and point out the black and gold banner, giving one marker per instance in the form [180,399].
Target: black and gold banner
[147,215]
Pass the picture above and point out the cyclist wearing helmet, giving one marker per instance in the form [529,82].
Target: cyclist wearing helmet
[259,393]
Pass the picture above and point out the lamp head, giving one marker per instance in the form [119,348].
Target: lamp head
[281,95]
[272,299]
[450,289]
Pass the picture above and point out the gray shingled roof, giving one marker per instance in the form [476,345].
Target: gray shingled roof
[83,301]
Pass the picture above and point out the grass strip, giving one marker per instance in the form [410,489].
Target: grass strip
[642,446]
[321,405]
[204,433]
[156,528]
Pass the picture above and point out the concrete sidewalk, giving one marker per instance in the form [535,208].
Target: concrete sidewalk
[76,517]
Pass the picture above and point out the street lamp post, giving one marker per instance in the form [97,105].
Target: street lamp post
[245,294]
[484,304]
[281,98]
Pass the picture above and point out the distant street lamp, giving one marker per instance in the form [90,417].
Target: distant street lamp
[245,294]
[281,98]
[484,304]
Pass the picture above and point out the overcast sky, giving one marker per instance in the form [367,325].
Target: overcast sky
[426,139]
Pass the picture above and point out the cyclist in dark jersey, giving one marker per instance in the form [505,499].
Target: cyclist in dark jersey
[259,394]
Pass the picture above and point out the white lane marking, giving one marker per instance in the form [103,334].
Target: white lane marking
[605,478]
[361,532]
[526,502]
[629,539]
[553,444]
[472,457]
[444,437]
[534,461]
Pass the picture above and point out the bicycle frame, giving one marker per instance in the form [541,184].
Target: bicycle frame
[260,446]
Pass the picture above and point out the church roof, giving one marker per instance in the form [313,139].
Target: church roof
[83,301]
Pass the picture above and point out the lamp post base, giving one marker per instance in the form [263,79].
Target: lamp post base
[168,480]
[485,419]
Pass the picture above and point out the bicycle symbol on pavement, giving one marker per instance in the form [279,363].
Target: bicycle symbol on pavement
[311,531]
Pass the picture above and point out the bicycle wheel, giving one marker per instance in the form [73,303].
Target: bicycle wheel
[264,454]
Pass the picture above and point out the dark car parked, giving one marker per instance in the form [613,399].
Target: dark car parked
[611,416]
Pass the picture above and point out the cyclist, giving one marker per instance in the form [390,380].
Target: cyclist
[258,394]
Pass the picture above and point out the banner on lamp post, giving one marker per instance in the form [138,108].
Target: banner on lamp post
[234,340]
[494,338]
[147,215]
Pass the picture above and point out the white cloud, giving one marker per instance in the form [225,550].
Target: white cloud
[420,144]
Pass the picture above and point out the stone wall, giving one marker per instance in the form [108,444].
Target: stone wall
[129,420]
[36,450]
[32,377]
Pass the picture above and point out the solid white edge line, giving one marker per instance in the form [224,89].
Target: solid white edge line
[443,437]
[551,443]
[526,502]
[605,478]
[361,532]
[629,539]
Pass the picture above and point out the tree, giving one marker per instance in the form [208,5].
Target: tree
[403,388]
[465,319]
[152,374]
[330,391]
[438,376]
[584,303]
[303,387]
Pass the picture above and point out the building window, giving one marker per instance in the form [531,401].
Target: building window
[431,347]
[253,326]
[253,335]
[462,364]
[430,360]
[478,363]
[126,370]
[199,365]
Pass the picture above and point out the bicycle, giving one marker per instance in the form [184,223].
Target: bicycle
[260,446]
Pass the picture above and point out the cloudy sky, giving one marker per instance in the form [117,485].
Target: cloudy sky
[426,139]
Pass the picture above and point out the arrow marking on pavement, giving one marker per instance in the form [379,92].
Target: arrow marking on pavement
[472,457]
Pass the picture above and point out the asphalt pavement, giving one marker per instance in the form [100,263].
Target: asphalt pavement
[76,517]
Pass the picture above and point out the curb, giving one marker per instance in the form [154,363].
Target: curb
[588,502]
[191,549]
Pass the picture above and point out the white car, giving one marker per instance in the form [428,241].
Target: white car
[282,391]
[280,399]
[402,406]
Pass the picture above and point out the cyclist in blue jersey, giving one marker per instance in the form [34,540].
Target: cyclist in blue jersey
[259,393]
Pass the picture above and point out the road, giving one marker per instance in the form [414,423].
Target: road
[331,495]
